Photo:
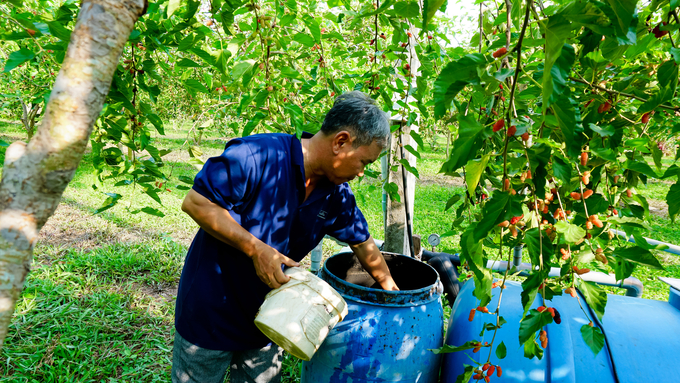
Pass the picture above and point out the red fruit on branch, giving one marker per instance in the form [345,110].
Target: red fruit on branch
[500,52]
[506,184]
[580,271]
[585,177]
[499,371]
[208,23]
[32,32]
[475,350]
[512,130]
[575,195]
[596,221]
[604,107]
[551,311]
[491,369]
[382,36]
[408,34]
[645,118]
[505,223]
[588,103]
[471,317]
[372,41]
[658,33]
[483,309]
[629,193]
[485,366]
[571,291]
[514,220]
[332,94]
[540,309]
[498,125]
[500,86]
[429,37]
[270,88]
[587,193]
[557,317]
[525,136]
[584,158]
[589,225]
[404,45]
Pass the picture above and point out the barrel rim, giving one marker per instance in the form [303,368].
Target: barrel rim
[367,295]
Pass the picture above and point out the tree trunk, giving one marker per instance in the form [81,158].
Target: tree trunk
[35,175]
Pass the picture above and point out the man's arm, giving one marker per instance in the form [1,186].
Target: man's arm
[372,260]
[220,224]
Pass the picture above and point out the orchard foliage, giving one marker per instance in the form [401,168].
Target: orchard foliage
[560,110]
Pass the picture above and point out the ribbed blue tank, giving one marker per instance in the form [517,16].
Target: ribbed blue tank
[387,335]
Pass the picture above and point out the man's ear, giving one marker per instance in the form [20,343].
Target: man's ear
[341,139]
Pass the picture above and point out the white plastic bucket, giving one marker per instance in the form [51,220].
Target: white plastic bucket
[298,315]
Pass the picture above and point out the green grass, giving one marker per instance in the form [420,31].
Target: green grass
[104,312]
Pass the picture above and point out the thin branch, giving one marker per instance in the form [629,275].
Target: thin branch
[614,92]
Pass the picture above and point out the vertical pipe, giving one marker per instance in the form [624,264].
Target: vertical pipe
[517,255]
[317,255]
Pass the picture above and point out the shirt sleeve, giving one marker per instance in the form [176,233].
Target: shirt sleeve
[228,180]
[350,226]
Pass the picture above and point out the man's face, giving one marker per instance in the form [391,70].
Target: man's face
[349,162]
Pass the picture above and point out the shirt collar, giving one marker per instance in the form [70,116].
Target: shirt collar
[296,147]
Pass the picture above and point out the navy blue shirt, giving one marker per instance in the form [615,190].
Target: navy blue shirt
[260,180]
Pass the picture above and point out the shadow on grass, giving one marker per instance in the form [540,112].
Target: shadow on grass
[65,332]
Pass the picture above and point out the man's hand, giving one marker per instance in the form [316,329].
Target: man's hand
[221,225]
[372,260]
[268,263]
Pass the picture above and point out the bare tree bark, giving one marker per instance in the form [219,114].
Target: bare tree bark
[35,175]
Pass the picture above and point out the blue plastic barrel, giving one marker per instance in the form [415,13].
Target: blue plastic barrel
[642,340]
[387,335]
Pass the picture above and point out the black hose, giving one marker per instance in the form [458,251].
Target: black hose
[445,265]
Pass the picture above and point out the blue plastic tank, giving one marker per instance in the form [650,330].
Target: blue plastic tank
[386,336]
[642,340]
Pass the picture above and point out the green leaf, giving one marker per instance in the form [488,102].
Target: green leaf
[535,245]
[453,78]
[186,180]
[452,201]
[407,9]
[240,68]
[418,139]
[313,26]
[173,5]
[531,350]
[250,126]
[17,58]
[673,201]
[638,255]
[676,55]
[595,296]
[641,167]
[59,31]
[501,351]
[411,150]
[493,212]
[430,7]
[607,131]
[411,169]
[668,74]
[556,33]
[304,39]
[110,202]
[566,119]
[593,337]
[471,136]
[152,211]
[4,144]
[157,123]
[625,12]
[447,349]
[562,169]
[623,269]
[186,63]
[533,322]
[152,193]
[572,233]
[473,172]
[195,85]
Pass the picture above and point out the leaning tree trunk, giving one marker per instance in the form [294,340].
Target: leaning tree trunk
[35,175]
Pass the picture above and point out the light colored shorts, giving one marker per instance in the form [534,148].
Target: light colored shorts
[193,364]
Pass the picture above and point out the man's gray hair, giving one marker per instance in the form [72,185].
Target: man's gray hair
[358,114]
